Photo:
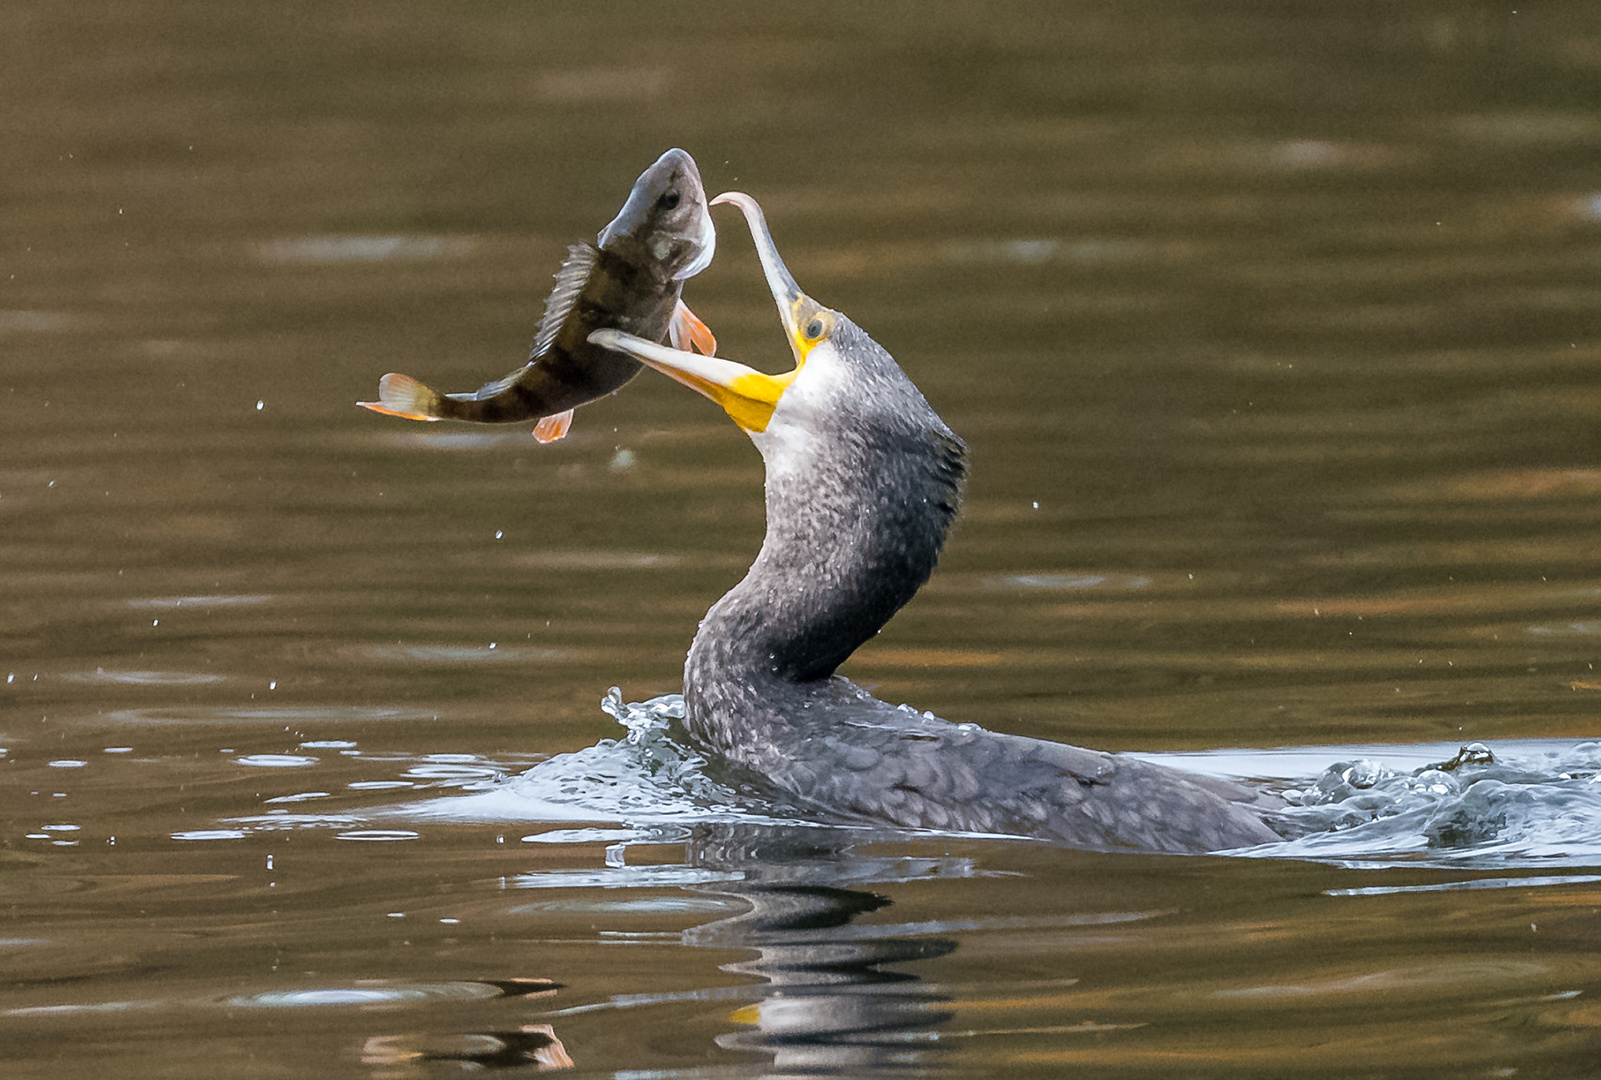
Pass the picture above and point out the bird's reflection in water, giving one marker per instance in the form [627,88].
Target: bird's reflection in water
[397,1057]
[835,995]
[404,1057]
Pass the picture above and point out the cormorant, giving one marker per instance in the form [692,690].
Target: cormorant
[863,483]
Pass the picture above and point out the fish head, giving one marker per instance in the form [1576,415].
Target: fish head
[666,219]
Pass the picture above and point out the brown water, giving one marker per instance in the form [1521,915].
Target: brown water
[1273,329]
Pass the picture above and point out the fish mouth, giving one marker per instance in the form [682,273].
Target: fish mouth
[747,395]
[706,242]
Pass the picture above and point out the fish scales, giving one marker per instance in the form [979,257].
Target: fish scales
[565,370]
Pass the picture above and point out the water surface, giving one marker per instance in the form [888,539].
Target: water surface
[1271,329]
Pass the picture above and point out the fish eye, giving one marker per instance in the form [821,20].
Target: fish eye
[669,201]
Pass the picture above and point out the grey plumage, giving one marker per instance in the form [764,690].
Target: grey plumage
[852,532]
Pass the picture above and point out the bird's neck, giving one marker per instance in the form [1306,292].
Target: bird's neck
[854,528]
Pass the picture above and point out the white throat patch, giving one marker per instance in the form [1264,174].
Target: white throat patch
[789,442]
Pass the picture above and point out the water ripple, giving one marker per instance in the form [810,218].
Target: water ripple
[276,761]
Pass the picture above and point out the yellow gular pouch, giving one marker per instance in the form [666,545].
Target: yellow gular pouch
[750,399]
[749,396]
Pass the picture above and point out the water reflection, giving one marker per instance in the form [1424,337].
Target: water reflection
[830,992]
[406,1055]
[398,1057]
[833,994]
[1272,327]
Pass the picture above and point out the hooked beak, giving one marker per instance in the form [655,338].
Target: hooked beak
[747,395]
[786,294]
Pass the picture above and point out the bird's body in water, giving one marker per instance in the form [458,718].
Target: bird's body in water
[632,279]
[863,482]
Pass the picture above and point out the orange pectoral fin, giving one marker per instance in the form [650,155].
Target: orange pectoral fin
[553,427]
[687,330]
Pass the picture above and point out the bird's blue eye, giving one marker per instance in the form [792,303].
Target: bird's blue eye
[814,329]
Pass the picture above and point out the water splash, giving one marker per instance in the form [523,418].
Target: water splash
[648,778]
[1521,803]
[1479,808]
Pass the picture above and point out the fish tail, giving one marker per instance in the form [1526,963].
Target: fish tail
[401,395]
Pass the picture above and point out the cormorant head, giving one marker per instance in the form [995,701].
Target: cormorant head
[817,336]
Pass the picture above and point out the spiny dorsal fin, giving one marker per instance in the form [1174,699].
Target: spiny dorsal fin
[569,283]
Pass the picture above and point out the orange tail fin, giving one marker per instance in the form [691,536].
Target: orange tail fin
[401,395]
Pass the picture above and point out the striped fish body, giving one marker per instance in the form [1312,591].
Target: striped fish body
[608,289]
[631,279]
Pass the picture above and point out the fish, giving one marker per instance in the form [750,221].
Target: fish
[631,279]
